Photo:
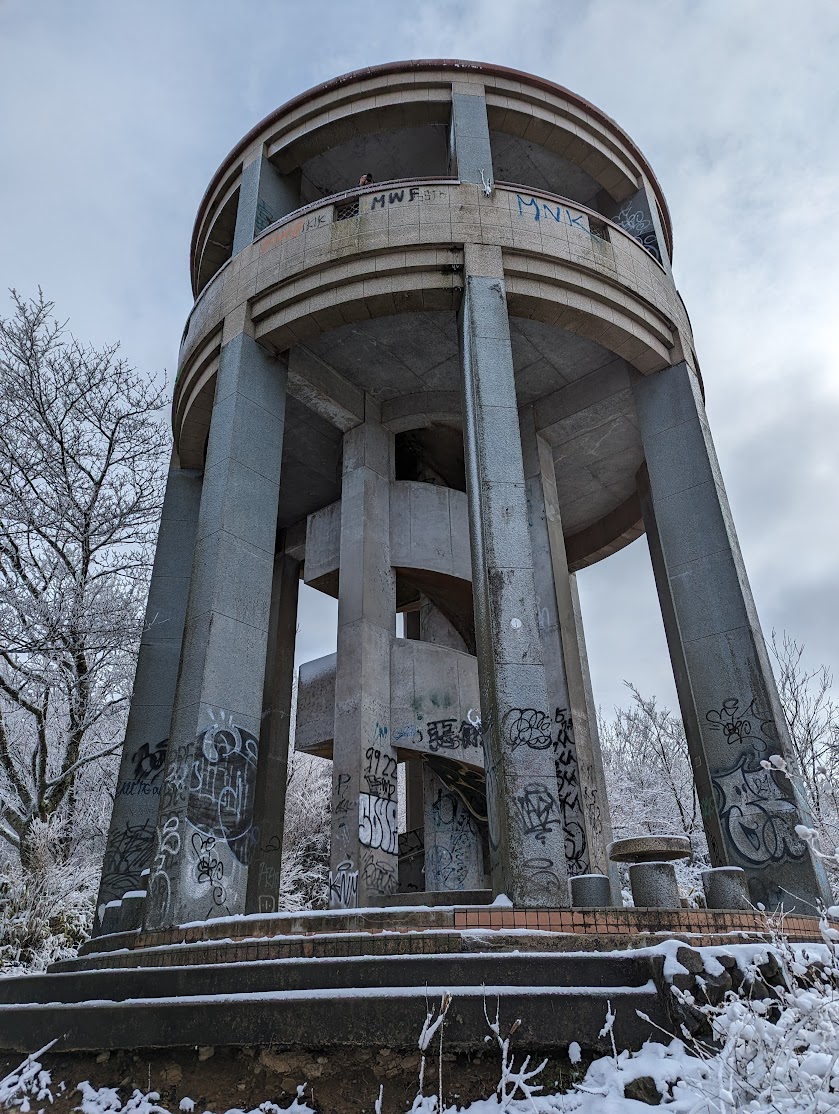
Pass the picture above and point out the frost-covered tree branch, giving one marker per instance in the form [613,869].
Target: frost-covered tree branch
[82,443]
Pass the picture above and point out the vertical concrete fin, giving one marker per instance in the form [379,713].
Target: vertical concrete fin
[265,195]
[272,763]
[471,137]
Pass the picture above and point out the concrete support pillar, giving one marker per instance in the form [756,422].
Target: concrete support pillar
[264,196]
[454,858]
[732,715]
[205,836]
[471,134]
[133,820]
[526,837]
[453,855]
[272,764]
[364,853]
[579,770]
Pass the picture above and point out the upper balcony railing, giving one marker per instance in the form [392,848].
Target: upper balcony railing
[532,205]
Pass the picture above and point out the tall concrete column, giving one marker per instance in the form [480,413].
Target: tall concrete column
[454,857]
[133,820]
[205,835]
[526,837]
[579,769]
[365,833]
[730,706]
[272,763]
[470,130]
[265,195]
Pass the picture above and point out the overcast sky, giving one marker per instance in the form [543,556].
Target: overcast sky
[114,116]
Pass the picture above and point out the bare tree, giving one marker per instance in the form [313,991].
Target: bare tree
[81,480]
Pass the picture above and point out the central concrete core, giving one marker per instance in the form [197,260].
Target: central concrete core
[434,396]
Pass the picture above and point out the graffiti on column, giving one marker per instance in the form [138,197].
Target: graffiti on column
[527,727]
[377,820]
[452,857]
[343,886]
[222,786]
[568,787]
[215,780]
[757,811]
[129,850]
[539,811]
[380,876]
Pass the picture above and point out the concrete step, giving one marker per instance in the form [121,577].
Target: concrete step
[362,973]
[551,1017]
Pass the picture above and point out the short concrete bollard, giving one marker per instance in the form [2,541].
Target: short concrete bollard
[111,917]
[590,891]
[726,888]
[654,886]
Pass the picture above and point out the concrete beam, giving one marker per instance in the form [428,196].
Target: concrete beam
[325,391]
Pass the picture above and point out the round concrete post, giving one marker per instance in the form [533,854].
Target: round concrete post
[654,886]
[726,887]
[591,891]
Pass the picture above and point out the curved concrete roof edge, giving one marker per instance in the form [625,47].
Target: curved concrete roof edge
[427,64]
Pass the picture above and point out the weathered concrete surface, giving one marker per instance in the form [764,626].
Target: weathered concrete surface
[204,838]
[131,832]
[726,887]
[471,134]
[272,764]
[453,855]
[648,849]
[526,834]
[654,885]
[729,701]
[264,197]
[364,846]
[579,763]
[591,891]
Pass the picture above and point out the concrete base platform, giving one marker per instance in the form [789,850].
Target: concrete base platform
[365,979]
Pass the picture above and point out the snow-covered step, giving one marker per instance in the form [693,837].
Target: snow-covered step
[391,1017]
[554,970]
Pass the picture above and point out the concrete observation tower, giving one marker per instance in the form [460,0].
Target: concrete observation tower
[437,396]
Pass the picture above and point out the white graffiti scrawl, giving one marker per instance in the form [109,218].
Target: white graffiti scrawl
[377,823]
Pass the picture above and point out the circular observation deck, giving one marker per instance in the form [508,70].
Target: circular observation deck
[359,286]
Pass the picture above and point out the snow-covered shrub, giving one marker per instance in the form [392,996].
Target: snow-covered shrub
[304,882]
[45,910]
